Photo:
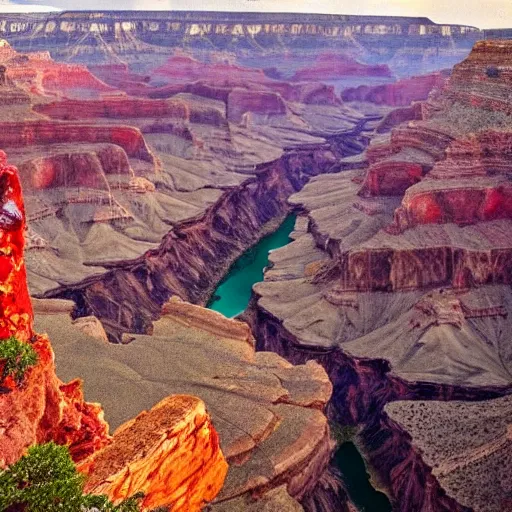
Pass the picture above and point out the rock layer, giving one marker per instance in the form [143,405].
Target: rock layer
[267,412]
[43,408]
[170,453]
[397,282]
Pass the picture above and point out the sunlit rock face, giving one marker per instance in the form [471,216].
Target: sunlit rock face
[171,453]
[398,279]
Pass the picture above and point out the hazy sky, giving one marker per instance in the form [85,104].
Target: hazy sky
[480,13]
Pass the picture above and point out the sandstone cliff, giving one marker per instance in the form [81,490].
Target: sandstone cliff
[42,408]
[412,44]
[268,413]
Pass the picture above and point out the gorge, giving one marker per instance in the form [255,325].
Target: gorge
[162,157]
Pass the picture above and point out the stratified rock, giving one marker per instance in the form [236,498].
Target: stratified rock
[43,408]
[331,66]
[267,412]
[398,283]
[399,94]
[170,453]
[240,102]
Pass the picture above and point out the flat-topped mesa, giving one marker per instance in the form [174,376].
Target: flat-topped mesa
[241,101]
[43,408]
[398,94]
[81,166]
[331,66]
[122,107]
[37,72]
[21,134]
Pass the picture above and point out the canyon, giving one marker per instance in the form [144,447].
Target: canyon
[155,150]
[398,282]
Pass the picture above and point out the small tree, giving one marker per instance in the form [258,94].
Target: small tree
[492,72]
[17,357]
[46,480]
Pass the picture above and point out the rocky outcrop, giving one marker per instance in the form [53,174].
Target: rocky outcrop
[16,134]
[267,412]
[482,80]
[241,101]
[397,282]
[75,167]
[170,453]
[399,94]
[331,66]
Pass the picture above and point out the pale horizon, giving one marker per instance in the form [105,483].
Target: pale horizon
[491,14]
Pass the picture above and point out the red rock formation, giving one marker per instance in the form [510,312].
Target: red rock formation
[121,107]
[115,107]
[75,168]
[183,68]
[441,202]
[483,79]
[38,72]
[171,453]
[330,66]
[241,101]
[398,116]
[16,134]
[398,94]
[43,408]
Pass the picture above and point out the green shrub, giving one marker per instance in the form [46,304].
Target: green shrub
[17,358]
[46,480]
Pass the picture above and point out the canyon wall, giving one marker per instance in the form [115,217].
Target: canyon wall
[268,413]
[398,282]
[74,36]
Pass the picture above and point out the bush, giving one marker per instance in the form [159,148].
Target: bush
[46,480]
[17,357]
[492,72]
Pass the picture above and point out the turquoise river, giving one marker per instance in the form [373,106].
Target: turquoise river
[232,297]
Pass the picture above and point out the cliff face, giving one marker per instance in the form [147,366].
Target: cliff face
[43,408]
[397,282]
[398,94]
[172,452]
[129,33]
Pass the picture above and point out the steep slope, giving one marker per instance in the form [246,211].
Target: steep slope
[268,413]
